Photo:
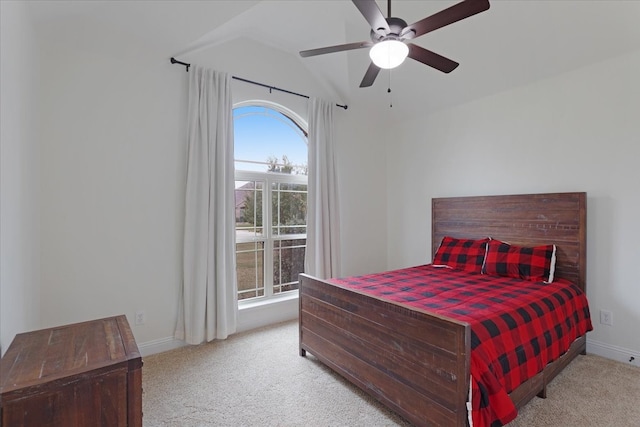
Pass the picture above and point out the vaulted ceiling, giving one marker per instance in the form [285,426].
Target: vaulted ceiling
[511,44]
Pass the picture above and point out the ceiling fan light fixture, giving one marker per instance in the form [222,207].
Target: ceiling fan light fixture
[388,53]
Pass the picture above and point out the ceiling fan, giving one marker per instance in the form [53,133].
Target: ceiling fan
[389,37]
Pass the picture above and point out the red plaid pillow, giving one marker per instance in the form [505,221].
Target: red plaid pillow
[536,264]
[461,254]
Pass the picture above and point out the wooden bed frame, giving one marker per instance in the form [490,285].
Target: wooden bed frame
[418,363]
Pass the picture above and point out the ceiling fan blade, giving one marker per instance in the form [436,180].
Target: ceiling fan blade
[371,12]
[445,17]
[338,48]
[370,75]
[431,59]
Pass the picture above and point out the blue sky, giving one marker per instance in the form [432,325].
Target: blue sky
[261,132]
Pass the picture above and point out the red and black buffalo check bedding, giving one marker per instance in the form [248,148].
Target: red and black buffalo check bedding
[517,326]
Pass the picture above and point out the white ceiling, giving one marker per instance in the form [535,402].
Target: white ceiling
[511,44]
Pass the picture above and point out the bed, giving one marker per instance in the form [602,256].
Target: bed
[418,362]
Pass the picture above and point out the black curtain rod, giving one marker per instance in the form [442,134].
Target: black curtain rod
[175,61]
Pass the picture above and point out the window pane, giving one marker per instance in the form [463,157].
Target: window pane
[289,204]
[250,269]
[270,150]
[248,209]
[288,262]
[261,135]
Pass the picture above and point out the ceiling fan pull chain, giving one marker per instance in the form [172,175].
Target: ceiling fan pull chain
[389,91]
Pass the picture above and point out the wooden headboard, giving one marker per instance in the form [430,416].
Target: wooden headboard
[524,220]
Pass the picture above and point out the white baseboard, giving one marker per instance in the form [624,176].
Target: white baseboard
[613,352]
[160,345]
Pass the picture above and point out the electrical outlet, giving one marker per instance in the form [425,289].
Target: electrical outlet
[606,317]
[141,317]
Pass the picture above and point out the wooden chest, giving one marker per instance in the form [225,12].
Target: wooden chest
[85,374]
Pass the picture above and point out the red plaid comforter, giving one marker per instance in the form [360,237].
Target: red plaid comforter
[517,326]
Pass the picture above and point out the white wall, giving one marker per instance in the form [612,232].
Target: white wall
[575,132]
[113,173]
[363,199]
[19,179]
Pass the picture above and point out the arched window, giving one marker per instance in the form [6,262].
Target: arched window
[270,145]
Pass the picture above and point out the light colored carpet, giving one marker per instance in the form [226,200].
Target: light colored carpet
[258,379]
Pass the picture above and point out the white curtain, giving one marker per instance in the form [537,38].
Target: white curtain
[208,308]
[322,257]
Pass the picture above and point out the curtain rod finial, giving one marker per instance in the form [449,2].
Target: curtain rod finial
[175,61]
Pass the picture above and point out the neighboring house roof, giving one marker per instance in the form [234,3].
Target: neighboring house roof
[241,193]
